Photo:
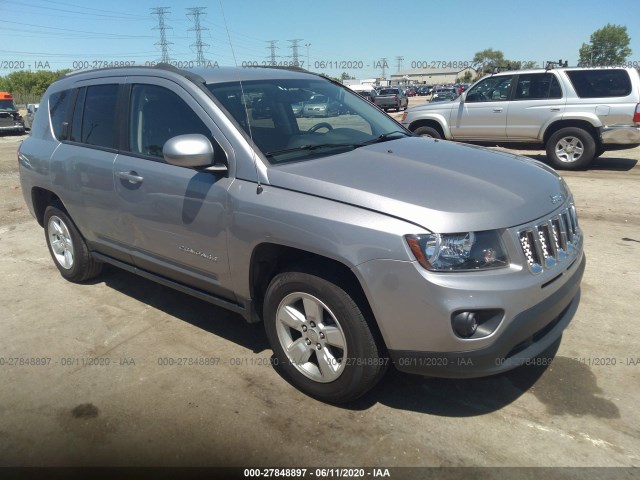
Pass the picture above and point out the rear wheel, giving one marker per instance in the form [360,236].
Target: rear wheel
[321,338]
[67,247]
[571,148]
[427,132]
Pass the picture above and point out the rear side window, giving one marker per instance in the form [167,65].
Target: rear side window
[58,110]
[600,83]
[98,119]
[538,86]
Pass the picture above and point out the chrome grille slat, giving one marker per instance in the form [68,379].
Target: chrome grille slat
[551,241]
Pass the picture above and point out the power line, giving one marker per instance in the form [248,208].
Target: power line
[272,47]
[163,43]
[295,44]
[196,12]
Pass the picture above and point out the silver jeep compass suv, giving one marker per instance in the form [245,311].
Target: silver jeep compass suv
[356,243]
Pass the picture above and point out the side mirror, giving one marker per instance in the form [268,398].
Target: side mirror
[192,150]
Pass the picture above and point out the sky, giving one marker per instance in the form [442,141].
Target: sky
[334,36]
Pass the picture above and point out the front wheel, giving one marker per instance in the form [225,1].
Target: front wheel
[320,337]
[571,148]
[427,132]
[67,247]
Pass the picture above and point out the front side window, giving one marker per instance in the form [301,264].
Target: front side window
[99,115]
[158,114]
[537,86]
[600,83]
[301,119]
[492,89]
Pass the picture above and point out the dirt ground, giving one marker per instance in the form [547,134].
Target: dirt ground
[139,410]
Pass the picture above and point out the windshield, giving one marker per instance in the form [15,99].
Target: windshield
[7,105]
[332,121]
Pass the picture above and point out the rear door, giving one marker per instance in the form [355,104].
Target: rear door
[538,100]
[84,119]
[176,216]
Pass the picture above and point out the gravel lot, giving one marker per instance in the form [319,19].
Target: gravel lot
[581,411]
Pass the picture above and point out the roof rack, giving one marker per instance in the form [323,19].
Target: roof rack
[549,65]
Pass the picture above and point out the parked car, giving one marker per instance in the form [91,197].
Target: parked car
[355,242]
[442,96]
[10,119]
[32,108]
[320,106]
[391,97]
[423,91]
[576,114]
[410,92]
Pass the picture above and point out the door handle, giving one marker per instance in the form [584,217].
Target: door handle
[131,177]
[497,110]
[555,109]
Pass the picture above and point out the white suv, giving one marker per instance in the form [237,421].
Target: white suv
[576,113]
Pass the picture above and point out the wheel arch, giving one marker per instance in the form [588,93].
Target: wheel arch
[270,259]
[574,123]
[41,199]
[430,122]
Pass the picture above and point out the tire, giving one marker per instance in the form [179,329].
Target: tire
[599,150]
[571,148]
[427,132]
[336,359]
[67,247]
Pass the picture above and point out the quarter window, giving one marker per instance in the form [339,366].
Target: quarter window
[59,110]
[600,83]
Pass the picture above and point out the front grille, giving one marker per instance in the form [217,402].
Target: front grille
[552,241]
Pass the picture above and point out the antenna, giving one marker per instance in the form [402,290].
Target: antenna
[195,13]
[259,188]
[163,43]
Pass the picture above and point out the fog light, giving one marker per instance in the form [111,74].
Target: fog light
[465,324]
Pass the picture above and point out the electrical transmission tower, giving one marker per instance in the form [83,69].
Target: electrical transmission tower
[163,43]
[295,44]
[199,45]
[384,67]
[272,47]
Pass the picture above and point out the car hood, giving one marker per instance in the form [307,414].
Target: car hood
[445,104]
[439,185]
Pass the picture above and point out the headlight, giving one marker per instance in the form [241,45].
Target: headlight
[458,251]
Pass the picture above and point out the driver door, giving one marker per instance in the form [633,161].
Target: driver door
[483,113]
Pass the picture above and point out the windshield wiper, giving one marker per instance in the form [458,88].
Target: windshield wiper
[313,147]
[387,136]
[380,138]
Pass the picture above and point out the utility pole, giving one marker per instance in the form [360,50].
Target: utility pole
[399,60]
[272,47]
[308,62]
[295,44]
[199,45]
[163,43]
[384,68]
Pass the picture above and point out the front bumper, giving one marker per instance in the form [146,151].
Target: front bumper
[620,135]
[528,335]
[12,128]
